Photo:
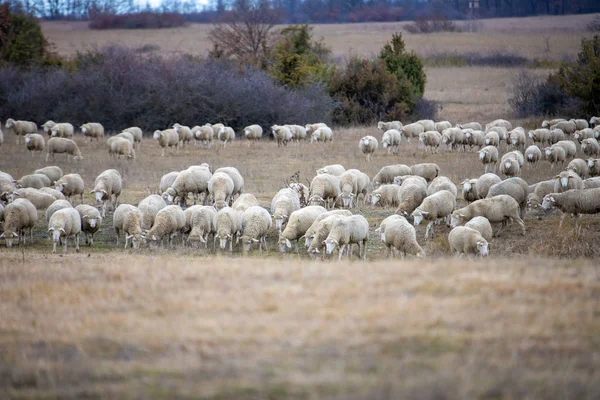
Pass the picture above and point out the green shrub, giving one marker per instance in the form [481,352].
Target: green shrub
[21,39]
[406,67]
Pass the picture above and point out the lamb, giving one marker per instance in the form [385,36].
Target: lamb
[499,122]
[55,206]
[441,125]
[475,138]
[593,166]
[192,180]
[220,186]
[254,133]
[226,134]
[568,127]
[35,181]
[517,138]
[568,146]
[199,221]
[400,236]
[496,209]
[21,128]
[387,173]
[70,185]
[285,202]
[236,177]
[90,221]
[122,147]
[34,142]
[492,139]
[63,146]
[324,189]
[431,140]
[106,185]
[149,207]
[429,171]
[92,130]
[322,134]
[590,147]
[556,135]
[584,134]
[464,240]
[299,222]
[244,202]
[579,166]
[555,155]
[540,136]
[347,231]
[204,134]
[137,133]
[574,202]
[567,180]
[18,216]
[516,188]
[533,155]
[65,130]
[53,172]
[128,219]
[442,183]
[368,145]
[385,195]
[335,170]
[169,222]
[312,230]
[434,208]
[386,126]
[489,156]
[410,196]
[391,141]
[40,200]
[548,124]
[534,200]
[256,222]
[184,133]
[228,225]
[476,126]
[483,226]
[509,165]
[167,138]
[47,126]
[412,130]
[166,181]
[65,223]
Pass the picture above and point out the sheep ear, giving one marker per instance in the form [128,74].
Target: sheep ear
[15,234]
[49,229]
[288,243]
[154,237]
[1,236]
[461,215]
[425,212]
[62,230]
[317,251]
[254,240]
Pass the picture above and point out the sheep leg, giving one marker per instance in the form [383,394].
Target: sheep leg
[77,242]
[126,241]
[341,252]
[66,244]
[562,218]
[117,232]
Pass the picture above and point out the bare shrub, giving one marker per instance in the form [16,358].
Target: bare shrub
[143,20]
[432,24]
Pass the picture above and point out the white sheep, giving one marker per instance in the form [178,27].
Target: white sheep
[63,146]
[579,166]
[47,125]
[34,142]
[312,230]
[483,226]
[20,128]
[91,130]
[166,181]
[430,140]
[412,131]
[53,192]
[594,121]
[517,138]
[593,167]
[410,196]
[169,222]
[569,147]
[284,203]
[591,183]
[476,126]
[548,124]
[55,206]
[386,174]
[64,129]
[335,170]
[323,134]
[391,141]
[535,198]
[584,134]
[256,222]
[19,215]
[429,171]
[106,185]
[533,155]
[464,240]
[499,122]
[353,183]
[574,202]
[310,128]
[122,147]
[434,208]
[91,220]
[137,133]
[299,222]
[556,135]
[500,208]
[386,126]
[39,199]
[347,231]
[228,225]
[220,186]
[253,133]
[442,183]
[385,195]
[244,201]
[590,147]
[71,185]
[35,181]
[509,165]
[7,186]
[400,236]
[298,132]
[475,138]
[65,223]
[149,207]
[428,125]
[492,139]
[368,145]
[199,223]
[192,180]
[514,187]
[580,123]
[567,180]
[568,127]
[128,219]
[53,172]
[454,137]
[441,125]
[216,128]
[324,190]
[126,135]
[184,133]
[555,155]
[204,134]
[405,179]
[236,177]
[167,138]
[226,134]
[540,136]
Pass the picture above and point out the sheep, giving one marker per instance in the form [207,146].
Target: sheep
[90,221]
[401,180]
[204,134]
[574,202]
[126,135]
[533,155]
[555,155]
[40,200]
[192,180]
[567,180]
[385,195]
[548,124]
[149,207]
[556,135]
[540,136]
[216,128]
[434,208]
[299,222]
[311,128]
[55,206]
[499,123]
[580,123]
[122,147]
[496,209]
[368,145]
[128,219]
[106,185]
[590,147]
[226,134]
[228,225]
[428,125]
[65,223]
[429,171]
[298,132]
[137,133]
[516,188]
[47,126]
[509,165]
[475,138]
[347,231]
[517,138]
[236,177]
[483,226]
[412,130]
[319,230]
[167,138]
[492,139]
[453,137]
[593,166]
[584,134]
[169,222]
[591,183]
[7,186]
[70,185]
[166,181]
[386,126]
[568,146]
[35,181]
[441,183]
[245,201]
[21,128]
[579,166]
[34,142]
[256,222]
[220,186]
[91,130]
[410,196]
[19,215]
[52,192]
[594,121]
[284,203]
[431,140]
[64,130]
[254,133]
[335,170]
[53,172]
[63,146]
[469,191]
[534,200]
[391,141]
[464,240]
[441,125]
[568,127]
[400,236]
[184,133]
[199,221]
[324,189]
[476,126]
[349,187]
[322,134]
[386,174]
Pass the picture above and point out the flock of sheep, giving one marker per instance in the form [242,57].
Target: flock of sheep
[320,214]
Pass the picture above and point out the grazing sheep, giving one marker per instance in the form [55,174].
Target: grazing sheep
[204,134]
[567,180]
[298,132]
[442,183]
[39,199]
[594,121]
[236,177]
[548,124]
[556,135]
[55,206]
[476,126]
[149,207]
[568,127]
[391,141]
[401,180]
[335,170]
[64,129]
[256,222]
[590,147]
[167,138]
[70,185]
[434,208]
[47,125]
[226,134]
[347,231]
[489,156]
[584,134]
[509,166]
[410,196]
[574,202]
[429,171]
[166,181]
[284,203]
[386,174]
[34,142]
[533,155]
[483,226]
[353,183]
[431,140]
[499,122]
[469,192]
[464,240]
[169,222]
[319,230]
[591,183]
[193,180]
[311,128]
[220,186]
[128,219]
[106,185]
[244,202]
[441,125]
[475,138]
[579,166]
[492,139]
[400,236]
[53,192]
[199,223]
[500,208]
[428,125]
[516,188]
[322,134]
[593,167]
[412,130]
[216,128]
[517,138]
[19,215]
[568,146]
[299,222]
[324,190]
[302,190]
[540,136]
[254,133]
[184,133]
[65,223]
[90,221]
[453,138]
[580,123]
[385,195]
[534,200]
[137,133]
[63,146]
[126,135]
[7,186]
[555,155]
[35,181]
[386,126]
[368,145]
[53,172]
[228,225]
[20,128]
[122,147]
[91,130]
